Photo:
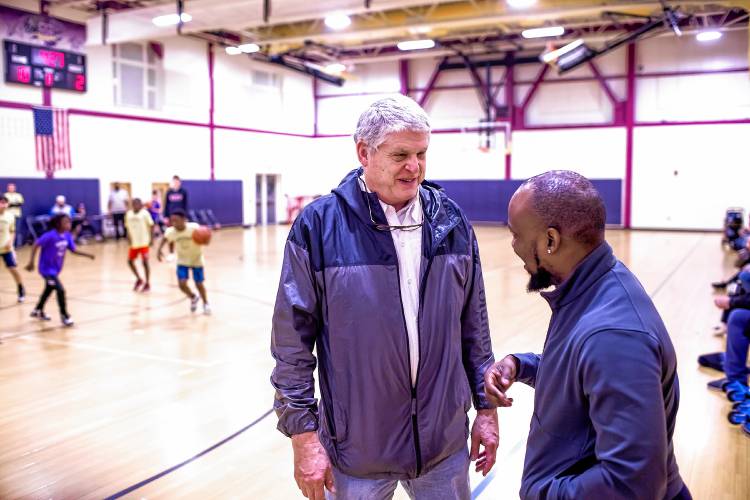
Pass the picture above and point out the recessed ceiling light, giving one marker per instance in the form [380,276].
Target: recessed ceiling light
[708,36]
[233,51]
[171,19]
[338,21]
[416,44]
[543,32]
[249,48]
[519,4]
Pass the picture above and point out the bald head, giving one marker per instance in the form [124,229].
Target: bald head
[568,202]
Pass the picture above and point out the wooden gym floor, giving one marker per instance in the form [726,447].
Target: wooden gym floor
[140,385]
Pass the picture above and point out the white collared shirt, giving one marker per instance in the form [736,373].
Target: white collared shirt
[409,252]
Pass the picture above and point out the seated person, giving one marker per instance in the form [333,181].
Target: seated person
[60,207]
[738,340]
[82,224]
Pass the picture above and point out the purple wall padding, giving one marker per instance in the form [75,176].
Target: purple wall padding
[223,197]
[487,200]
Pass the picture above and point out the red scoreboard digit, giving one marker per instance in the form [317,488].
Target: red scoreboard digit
[23,74]
[80,83]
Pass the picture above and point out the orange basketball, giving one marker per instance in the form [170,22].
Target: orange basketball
[202,235]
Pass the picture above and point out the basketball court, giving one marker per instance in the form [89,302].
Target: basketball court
[143,398]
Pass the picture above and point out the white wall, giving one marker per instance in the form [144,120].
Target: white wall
[596,153]
[685,177]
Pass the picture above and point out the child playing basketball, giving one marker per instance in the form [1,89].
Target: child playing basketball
[139,227]
[7,237]
[54,244]
[189,256]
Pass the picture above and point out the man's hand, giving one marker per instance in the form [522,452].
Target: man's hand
[29,267]
[312,469]
[722,302]
[498,379]
[484,432]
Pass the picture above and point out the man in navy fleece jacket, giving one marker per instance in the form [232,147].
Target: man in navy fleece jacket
[606,382]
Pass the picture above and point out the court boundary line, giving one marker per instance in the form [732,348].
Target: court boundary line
[163,473]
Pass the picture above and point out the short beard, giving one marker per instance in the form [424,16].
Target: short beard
[541,279]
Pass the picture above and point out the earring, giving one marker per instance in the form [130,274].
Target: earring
[549,250]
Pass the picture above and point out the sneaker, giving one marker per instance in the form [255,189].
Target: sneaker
[746,428]
[146,288]
[21,299]
[736,391]
[137,285]
[718,385]
[194,303]
[67,321]
[206,309]
[714,360]
[36,313]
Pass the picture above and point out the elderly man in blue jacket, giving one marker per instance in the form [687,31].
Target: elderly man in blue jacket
[606,382]
[382,279]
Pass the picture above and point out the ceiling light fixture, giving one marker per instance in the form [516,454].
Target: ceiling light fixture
[543,32]
[338,21]
[233,51]
[335,68]
[171,19]
[552,55]
[249,48]
[708,36]
[520,4]
[416,44]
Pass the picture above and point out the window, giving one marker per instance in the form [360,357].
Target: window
[138,75]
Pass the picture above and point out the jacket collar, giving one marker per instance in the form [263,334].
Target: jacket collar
[439,214]
[584,276]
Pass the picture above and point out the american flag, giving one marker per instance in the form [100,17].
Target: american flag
[52,139]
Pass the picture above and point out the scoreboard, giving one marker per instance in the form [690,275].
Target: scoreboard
[44,67]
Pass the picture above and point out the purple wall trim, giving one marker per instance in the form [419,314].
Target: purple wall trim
[357,94]
[211,127]
[46,96]
[403,75]
[260,131]
[119,116]
[510,103]
[15,105]
[315,105]
[697,122]
[629,124]
[603,83]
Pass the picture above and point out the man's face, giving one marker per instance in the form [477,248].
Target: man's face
[137,205]
[529,240]
[176,183]
[178,222]
[60,202]
[3,205]
[395,170]
[11,188]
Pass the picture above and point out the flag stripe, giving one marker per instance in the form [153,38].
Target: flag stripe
[52,133]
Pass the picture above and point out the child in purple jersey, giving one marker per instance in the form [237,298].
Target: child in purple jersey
[54,243]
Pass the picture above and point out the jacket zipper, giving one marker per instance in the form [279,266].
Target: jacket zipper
[414,427]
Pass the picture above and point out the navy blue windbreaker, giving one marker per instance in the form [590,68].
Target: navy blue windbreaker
[339,294]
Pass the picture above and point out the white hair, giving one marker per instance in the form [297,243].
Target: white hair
[388,115]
